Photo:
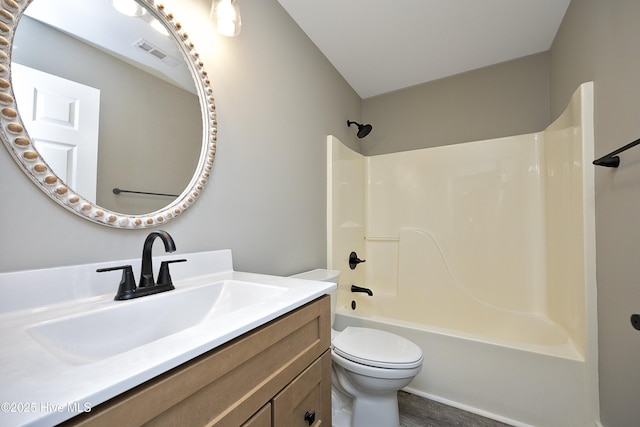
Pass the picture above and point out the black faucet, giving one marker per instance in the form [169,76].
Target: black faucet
[148,286]
[146,273]
[367,291]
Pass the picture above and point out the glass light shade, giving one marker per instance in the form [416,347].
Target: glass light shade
[159,27]
[226,14]
[127,7]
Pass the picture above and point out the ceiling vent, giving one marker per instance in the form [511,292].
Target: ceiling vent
[156,52]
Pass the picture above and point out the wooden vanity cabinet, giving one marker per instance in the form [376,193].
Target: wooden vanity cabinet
[276,375]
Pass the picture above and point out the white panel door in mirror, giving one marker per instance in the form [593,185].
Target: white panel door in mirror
[62,117]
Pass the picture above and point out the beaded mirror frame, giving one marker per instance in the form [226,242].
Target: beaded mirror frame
[16,139]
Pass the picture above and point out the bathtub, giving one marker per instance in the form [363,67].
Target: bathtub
[520,383]
[483,255]
[516,366]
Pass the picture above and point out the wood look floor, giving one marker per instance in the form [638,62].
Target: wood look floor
[416,411]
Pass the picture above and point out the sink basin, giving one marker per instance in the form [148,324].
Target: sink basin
[125,325]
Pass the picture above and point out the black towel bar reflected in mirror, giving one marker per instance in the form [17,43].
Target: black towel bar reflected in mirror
[118,191]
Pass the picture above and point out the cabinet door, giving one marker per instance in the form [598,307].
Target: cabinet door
[262,418]
[307,400]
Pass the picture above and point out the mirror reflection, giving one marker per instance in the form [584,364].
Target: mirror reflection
[108,102]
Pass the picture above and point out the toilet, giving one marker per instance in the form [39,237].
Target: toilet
[369,366]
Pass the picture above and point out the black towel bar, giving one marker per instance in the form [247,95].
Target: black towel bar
[118,191]
[612,160]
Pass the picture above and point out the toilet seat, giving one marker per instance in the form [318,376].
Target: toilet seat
[377,348]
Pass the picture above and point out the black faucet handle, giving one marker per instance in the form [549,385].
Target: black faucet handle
[164,276]
[127,286]
[354,260]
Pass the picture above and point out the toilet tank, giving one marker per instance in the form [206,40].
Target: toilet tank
[323,275]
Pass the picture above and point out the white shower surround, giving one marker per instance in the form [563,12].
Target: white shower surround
[483,254]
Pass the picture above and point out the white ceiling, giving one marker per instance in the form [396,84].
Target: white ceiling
[382,46]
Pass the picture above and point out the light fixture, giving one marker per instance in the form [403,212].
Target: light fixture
[158,26]
[128,7]
[226,14]
[134,9]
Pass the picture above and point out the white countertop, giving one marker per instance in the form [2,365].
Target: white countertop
[41,389]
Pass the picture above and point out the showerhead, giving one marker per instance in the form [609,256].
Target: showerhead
[363,130]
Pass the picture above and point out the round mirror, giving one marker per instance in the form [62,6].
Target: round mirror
[108,111]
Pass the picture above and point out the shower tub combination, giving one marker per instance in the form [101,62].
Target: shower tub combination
[483,255]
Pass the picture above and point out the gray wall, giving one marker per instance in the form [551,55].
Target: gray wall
[598,41]
[277,99]
[506,99]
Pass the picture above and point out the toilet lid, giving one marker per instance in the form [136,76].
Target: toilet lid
[377,348]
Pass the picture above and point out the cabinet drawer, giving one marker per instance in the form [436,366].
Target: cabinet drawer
[260,419]
[307,400]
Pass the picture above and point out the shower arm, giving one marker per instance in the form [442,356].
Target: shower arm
[612,160]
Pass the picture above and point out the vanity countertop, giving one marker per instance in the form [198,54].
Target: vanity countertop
[43,388]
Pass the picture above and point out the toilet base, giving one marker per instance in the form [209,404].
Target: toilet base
[341,417]
[341,408]
[373,411]
[376,411]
